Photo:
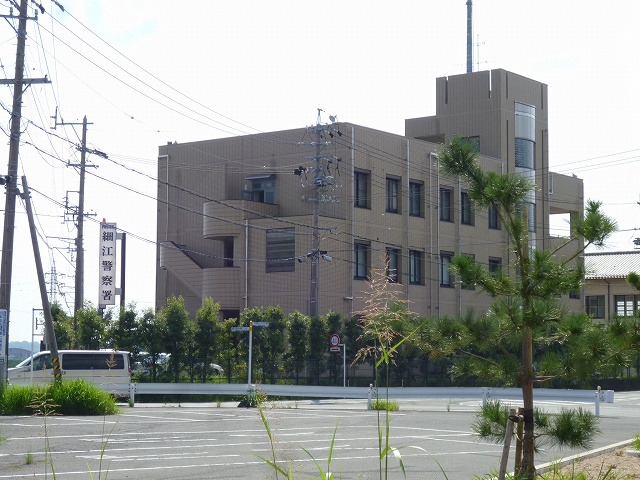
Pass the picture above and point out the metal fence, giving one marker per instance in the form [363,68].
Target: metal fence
[369,393]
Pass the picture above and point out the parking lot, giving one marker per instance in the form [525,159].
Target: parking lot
[221,441]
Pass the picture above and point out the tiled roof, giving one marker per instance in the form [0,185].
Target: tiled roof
[611,265]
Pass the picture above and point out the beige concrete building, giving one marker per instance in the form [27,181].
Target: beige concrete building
[236,215]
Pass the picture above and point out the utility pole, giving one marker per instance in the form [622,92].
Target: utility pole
[79,242]
[18,82]
[321,184]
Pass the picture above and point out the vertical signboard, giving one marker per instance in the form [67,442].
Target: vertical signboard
[3,336]
[107,270]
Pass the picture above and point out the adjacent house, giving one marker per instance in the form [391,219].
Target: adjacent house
[299,218]
[607,292]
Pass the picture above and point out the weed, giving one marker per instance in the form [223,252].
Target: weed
[382,404]
[28,458]
[636,442]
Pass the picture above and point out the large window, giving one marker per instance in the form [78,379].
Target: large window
[361,253]
[415,199]
[393,195]
[393,265]
[416,276]
[361,188]
[595,306]
[446,279]
[626,305]
[281,250]
[466,209]
[494,219]
[446,204]
[263,189]
[525,153]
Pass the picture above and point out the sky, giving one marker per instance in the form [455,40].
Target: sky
[148,72]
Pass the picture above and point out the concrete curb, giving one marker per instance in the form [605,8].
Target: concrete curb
[546,467]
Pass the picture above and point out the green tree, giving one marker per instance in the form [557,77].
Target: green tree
[506,343]
[62,327]
[271,342]
[298,343]
[123,333]
[175,319]
[207,332]
[318,346]
[151,330]
[228,346]
[90,328]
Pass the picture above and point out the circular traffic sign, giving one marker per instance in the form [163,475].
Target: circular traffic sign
[334,340]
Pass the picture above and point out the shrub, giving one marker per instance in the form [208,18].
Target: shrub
[66,398]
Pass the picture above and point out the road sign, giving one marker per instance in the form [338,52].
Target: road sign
[334,340]
[260,324]
[334,349]
[239,329]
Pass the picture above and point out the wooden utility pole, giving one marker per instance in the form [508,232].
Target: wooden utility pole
[18,82]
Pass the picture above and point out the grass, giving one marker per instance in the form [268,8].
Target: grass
[636,442]
[28,459]
[66,398]
[382,404]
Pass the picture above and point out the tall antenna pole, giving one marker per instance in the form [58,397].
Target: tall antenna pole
[6,264]
[469,36]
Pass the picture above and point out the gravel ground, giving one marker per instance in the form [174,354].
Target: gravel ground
[619,464]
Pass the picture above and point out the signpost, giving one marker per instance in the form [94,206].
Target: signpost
[250,330]
[334,346]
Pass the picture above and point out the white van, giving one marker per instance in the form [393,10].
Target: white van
[109,369]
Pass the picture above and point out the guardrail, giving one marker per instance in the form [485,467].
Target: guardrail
[396,393]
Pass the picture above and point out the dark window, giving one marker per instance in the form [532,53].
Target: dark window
[393,195]
[415,199]
[574,295]
[416,268]
[393,265]
[466,209]
[228,252]
[361,190]
[525,153]
[281,248]
[494,219]
[361,260]
[595,306]
[92,361]
[495,264]
[263,189]
[446,279]
[446,204]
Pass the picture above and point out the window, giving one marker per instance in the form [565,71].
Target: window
[361,261]
[281,250]
[92,361]
[227,245]
[595,306]
[494,219]
[361,189]
[495,264]
[415,267]
[626,305]
[466,209]
[446,204]
[415,199]
[525,153]
[446,279]
[393,194]
[263,189]
[393,265]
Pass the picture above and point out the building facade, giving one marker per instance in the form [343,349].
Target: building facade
[237,216]
[607,292]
